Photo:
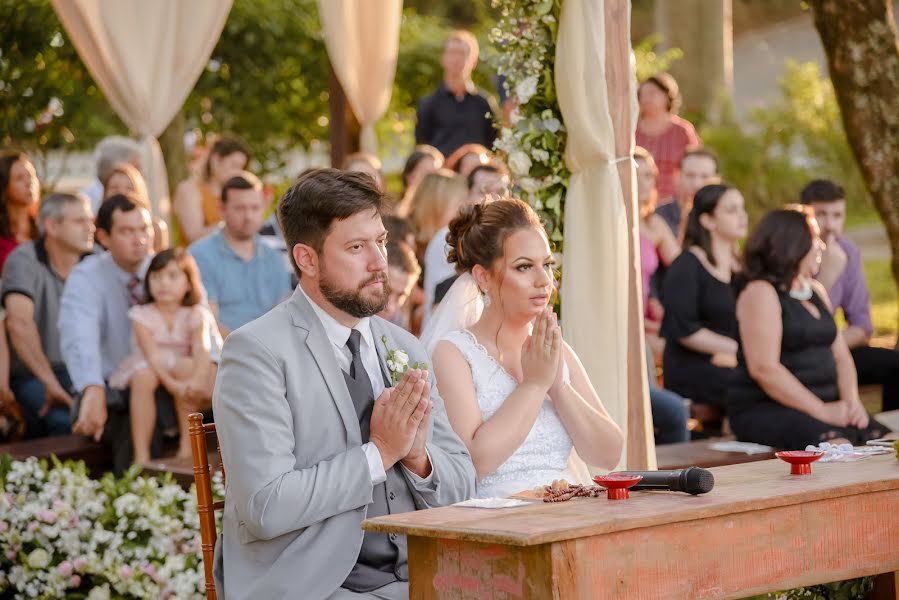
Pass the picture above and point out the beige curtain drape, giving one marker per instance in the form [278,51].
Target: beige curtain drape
[146,57]
[596,266]
[362,38]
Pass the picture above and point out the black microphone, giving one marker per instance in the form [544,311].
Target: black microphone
[691,480]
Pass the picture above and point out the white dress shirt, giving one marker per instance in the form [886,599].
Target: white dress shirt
[338,335]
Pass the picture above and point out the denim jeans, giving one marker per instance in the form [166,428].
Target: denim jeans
[669,416]
[30,394]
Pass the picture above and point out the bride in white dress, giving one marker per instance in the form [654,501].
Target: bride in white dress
[515,393]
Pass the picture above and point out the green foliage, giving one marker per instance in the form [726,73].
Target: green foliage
[851,589]
[48,99]
[797,138]
[648,62]
[266,80]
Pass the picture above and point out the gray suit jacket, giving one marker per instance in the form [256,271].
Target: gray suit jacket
[297,479]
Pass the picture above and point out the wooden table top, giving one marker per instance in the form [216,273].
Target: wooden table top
[738,488]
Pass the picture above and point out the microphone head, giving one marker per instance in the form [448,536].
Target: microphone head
[698,481]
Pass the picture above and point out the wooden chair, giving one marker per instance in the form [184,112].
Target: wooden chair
[205,506]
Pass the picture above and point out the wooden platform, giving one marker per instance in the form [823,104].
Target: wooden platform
[66,447]
[760,530]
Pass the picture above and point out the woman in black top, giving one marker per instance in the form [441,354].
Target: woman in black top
[699,325]
[795,383]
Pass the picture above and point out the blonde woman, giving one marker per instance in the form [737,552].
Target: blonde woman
[438,198]
[124,178]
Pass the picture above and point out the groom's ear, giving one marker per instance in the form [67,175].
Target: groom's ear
[307,260]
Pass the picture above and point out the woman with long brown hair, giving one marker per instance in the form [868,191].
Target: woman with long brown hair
[20,192]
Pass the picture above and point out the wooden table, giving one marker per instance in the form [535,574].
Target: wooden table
[698,454]
[760,530]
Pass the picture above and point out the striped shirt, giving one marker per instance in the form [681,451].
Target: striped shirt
[667,149]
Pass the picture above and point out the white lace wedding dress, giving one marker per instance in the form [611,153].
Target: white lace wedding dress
[546,453]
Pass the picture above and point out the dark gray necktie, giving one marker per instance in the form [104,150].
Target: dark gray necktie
[359,385]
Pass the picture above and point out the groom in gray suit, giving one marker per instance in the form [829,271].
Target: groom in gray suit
[321,419]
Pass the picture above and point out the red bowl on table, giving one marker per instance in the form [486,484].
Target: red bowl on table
[800,460]
[617,484]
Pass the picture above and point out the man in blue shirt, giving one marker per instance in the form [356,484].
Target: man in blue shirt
[244,277]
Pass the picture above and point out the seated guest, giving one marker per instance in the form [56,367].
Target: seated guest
[402,273]
[124,178]
[699,325]
[466,158]
[20,191]
[33,280]
[520,400]
[12,417]
[795,383]
[399,230]
[487,180]
[94,329]
[423,160]
[110,151]
[657,246]
[364,162]
[243,276]
[669,415]
[197,201]
[842,276]
[318,431]
[171,347]
[698,168]
[437,200]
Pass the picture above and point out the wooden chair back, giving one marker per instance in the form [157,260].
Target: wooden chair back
[205,505]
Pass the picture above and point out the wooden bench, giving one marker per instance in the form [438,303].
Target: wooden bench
[182,469]
[698,454]
[97,457]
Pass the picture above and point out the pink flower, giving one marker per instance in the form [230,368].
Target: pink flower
[75,581]
[34,526]
[65,568]
[3,526]
[48,516]
[58,505]
[151,572]
[11,555]
[80,563]
[125,572]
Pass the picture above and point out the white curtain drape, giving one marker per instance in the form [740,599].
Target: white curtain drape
[146,57]
[595,263]
[362,38]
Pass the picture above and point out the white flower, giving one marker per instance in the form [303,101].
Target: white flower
[401,358]
[391,365]
[540,155]
[525,89]
[99,593]
[519,163]
[38,559]
[553,125]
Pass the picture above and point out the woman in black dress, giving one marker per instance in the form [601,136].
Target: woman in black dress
[699,325]
[795,383]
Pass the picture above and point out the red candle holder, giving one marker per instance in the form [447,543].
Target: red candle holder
[617,484]
[800,460]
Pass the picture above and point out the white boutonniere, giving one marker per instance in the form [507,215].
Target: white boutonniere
[398,362]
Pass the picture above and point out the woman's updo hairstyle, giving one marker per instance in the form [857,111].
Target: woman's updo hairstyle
[477,234]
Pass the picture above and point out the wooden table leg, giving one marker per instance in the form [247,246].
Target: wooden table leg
[886,586]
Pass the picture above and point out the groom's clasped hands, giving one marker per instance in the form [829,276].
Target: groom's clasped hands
[399,422]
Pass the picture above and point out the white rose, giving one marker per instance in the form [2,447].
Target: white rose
[528,184]
[391,365]
[525,89]
[38,559]
[99,593]
[401,358]
[519,163]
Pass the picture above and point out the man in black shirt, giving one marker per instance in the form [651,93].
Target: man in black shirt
[456,113]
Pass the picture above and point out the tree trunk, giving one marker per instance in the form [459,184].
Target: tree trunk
[862,47]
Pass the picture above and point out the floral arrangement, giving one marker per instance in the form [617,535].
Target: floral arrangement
[532,144]
[398,362]
[63,534]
